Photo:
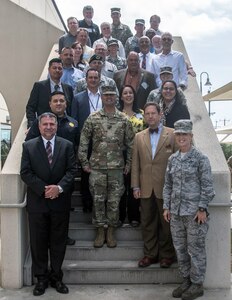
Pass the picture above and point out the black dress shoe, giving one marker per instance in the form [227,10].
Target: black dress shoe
[60,287]
[70,242]
[40,288]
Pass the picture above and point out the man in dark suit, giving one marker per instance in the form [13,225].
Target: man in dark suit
[38,102]
[83,104]
[67,127]
[142,81]
[48,168]
[151,150]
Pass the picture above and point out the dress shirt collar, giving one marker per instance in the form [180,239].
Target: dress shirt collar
[52,141]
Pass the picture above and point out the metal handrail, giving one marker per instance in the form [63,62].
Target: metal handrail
[59,14]
[14,205]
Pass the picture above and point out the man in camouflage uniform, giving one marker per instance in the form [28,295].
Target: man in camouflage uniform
[120,31]
[132,43]
[187,191]
[110,132]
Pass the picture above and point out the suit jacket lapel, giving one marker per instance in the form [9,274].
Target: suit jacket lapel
[147,142]
[48,86]
[55,152]
[162,139]
[43,152]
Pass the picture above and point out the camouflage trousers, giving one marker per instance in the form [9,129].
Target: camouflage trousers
[189,242]
[106,187]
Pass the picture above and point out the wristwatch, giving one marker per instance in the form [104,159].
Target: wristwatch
[202,209]
[60,189]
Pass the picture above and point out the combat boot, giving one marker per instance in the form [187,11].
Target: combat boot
[177,293]
[110,240]
[100,238]
[195,291]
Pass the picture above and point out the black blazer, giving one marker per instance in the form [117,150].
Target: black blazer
[38,102]
[80,108]
[36,172]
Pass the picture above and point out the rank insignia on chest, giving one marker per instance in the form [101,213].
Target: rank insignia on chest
[71,124]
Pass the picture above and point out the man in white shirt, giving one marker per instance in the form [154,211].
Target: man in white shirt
[106,37]
[146,58]
[173,59]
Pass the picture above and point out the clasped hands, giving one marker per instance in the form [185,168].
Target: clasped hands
[51,191]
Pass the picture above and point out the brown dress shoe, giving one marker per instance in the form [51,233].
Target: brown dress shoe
[147,261]
[166,262]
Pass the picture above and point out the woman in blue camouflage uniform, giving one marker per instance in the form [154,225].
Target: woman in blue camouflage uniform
[187,191]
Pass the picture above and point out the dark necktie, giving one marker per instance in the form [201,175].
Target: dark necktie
[49,151]
[152,130]
[144,62]
[56,87]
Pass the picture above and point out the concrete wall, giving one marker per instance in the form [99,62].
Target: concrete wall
[26,41]
[218,240]
[26,44]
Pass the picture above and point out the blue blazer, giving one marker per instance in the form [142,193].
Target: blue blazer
[80,109]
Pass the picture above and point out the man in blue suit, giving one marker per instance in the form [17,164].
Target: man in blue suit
[85,103]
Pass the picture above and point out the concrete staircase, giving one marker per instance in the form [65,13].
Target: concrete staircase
[85,264]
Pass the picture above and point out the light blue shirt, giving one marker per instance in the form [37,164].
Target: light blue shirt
[154,139]
[71,75]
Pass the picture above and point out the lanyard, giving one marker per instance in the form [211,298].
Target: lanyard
[91,103]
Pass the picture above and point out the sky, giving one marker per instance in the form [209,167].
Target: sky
[204,25]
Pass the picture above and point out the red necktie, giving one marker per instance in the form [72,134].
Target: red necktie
[49,151]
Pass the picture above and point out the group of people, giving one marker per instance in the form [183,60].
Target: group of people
[114,104]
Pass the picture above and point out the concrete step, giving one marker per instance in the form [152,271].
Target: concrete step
[78,216]
[117,272]
[77,183]
[76,199]
[87,232]
[125,250]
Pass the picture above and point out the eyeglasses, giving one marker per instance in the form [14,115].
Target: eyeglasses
[166,39]
[168,89]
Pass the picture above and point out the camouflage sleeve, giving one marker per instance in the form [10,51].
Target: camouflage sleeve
[129,138]
[206,181]
[167,190]
[153,97]
[86,134]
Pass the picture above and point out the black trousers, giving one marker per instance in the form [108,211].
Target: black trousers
[129,206]
[86,196]
[48,235]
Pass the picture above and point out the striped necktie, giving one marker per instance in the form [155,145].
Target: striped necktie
[144,62]
[56,87]
[49,151]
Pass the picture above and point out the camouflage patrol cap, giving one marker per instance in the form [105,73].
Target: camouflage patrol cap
[115,10]
[183,126]
[139,21]
[166,70]
[108,90]
[112,42]
[95,57]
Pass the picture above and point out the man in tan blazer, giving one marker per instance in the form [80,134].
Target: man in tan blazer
[152,148]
